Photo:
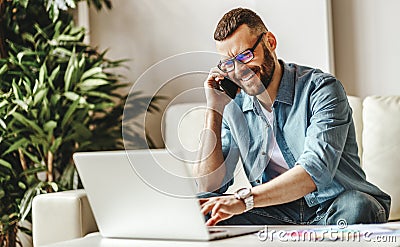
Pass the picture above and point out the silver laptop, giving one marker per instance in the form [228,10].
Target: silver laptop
[146,194]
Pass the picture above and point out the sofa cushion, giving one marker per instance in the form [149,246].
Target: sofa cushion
[61,216]
[356,106]
[381,146]
[182,127]
[183,124]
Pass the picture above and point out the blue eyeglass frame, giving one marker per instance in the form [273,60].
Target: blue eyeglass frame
[237,57]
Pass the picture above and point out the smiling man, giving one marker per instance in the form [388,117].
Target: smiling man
[292,128]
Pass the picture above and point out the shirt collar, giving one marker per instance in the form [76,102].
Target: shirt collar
[248,102]
[286,86]
[285,92]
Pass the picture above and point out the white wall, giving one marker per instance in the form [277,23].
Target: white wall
[148,31]
[366,44]
[366,37]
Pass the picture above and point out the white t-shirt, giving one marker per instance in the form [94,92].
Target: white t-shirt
[277,164]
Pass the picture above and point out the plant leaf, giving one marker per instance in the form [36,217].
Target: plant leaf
[91,72]
[92,83]
[42,73]
[3,124]
[49,126]
[11,111]
[26,202]
[69,72]
[31,156]
[100,95]
[71,96]
[16,91]
[28,123]
[67,179]
[54,73]
[69,113]
[28,37]
[24,3]
[33,171]
[62,51]
[40,95]
[3,69]
[56,144]
[22,104]
[69,38]
[71,3]
[16,145]
[6,164]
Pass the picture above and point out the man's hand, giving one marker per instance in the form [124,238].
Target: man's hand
[221,208]
[216,99]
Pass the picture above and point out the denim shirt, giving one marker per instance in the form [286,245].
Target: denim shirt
[313,127]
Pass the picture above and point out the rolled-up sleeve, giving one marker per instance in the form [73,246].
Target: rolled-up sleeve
[329,120]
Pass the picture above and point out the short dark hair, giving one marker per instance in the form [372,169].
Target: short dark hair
[235,18]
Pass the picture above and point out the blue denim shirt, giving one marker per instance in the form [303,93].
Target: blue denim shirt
[313,127]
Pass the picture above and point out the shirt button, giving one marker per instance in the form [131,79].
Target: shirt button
[258,181]
[263,153]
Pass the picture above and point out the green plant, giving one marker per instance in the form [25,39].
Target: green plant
[57,96]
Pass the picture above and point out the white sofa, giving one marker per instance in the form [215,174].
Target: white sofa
[67,215]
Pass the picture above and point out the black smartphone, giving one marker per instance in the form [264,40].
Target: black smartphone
[229,87]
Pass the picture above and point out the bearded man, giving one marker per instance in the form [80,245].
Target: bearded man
[292,128]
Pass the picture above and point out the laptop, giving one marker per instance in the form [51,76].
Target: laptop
[146,194]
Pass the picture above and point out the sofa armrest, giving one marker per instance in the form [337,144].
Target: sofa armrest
[61,216]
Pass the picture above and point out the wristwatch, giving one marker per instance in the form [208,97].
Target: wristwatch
[245,195]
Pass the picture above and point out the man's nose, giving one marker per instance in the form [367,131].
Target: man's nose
[239,68]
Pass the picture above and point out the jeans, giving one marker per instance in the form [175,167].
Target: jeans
[350,207]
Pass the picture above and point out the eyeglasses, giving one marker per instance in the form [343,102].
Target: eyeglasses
[244,57]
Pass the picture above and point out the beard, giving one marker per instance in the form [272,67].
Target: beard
[266,71]
[267,68]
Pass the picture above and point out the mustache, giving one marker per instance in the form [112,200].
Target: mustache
[244,73]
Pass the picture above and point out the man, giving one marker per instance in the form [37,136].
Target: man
[292,128]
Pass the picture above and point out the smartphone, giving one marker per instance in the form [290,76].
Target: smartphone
[229,87]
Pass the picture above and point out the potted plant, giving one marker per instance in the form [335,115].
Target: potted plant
[57,96]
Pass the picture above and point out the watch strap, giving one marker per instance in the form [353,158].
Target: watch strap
[247,199]
[249,202]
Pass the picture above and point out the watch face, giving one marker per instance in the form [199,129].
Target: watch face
[243,193]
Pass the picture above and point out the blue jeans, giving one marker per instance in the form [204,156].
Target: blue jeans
[354,207]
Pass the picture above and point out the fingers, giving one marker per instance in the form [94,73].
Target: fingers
[213,81]
[219,208]
[217,73]
[216,208]
[214,220]
[206,207]
[203,200]
[214,78]
[218,213]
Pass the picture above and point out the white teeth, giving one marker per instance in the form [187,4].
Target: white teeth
[248,77]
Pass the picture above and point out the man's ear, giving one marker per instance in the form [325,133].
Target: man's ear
[270,41]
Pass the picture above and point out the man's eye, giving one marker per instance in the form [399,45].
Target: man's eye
[245,56]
